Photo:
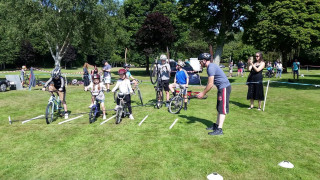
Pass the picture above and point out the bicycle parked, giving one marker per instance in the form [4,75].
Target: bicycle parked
[122,108]
[136,91]
[155,78]
[54,105]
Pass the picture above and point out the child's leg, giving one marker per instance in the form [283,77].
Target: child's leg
[103,108]
[92,99]
[128,102]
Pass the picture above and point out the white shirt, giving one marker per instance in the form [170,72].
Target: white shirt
[279,66]
[124,86]
[95,90]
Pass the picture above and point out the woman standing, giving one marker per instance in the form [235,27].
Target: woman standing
[255,79]
[86,80]
[279,69]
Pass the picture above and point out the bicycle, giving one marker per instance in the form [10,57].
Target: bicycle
[122,109]
[53,106]
[95,110]
[115,94]
[176,103]
[159,95]
[155,78]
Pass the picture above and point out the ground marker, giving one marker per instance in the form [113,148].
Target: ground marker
[173,123]
[32,119]
[265,97]
[10,122]
[143,120]
[70,119]
[108,119]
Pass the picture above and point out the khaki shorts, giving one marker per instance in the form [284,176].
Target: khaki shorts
[62,95]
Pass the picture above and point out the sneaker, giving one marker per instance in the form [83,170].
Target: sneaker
[217,132]
[116,108]
[131,117]
[259,109]
[167,104]
[250,107]
[66,115]
[213,127]
[104,117]
[185,108]
[90,105]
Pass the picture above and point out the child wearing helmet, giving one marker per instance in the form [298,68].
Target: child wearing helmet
[97,89]
[57,84]
[128,74]
[181,80]
[124,86]
[165,71]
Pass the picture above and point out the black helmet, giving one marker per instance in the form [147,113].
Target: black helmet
[56,72]
[204,56]
[126,66]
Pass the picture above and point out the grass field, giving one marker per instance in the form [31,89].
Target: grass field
[253,143]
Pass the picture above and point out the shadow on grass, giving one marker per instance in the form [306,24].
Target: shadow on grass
[193,119]
[239,104]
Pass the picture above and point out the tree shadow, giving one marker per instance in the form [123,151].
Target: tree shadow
[301,84]
[239,104]
[192,119]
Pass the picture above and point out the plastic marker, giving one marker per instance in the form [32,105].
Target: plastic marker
[32,119]
[143,120]
[108,119]
[70,119]
[173,123]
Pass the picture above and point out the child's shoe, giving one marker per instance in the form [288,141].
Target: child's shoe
[131,117]
[66,115]
[104,117]
[90,105]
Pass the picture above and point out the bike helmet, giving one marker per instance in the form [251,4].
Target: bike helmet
[163,57]
[56,73]
[180,63]
[96,76]
[126,66]
[122,71]
[204,56]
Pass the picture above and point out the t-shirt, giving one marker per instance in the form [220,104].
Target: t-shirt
[279,66]
[95,90]
[296,66]
[240,65]
[105,72]
[124,86]
[220,79]
[58,83]
[181,77]
[164,71]
[128,74]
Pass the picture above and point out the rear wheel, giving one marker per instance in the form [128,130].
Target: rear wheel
[49,113]
[175,105]
[140,96]
[153,73]
[92,116]
[159,98]
[119,115]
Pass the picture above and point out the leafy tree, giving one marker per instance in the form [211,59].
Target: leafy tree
[156,33]
[70,55]
[27,53]
[286,26]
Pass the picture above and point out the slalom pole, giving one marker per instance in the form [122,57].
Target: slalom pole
[265,97]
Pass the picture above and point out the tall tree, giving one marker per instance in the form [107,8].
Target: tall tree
[156,33]
[286,26]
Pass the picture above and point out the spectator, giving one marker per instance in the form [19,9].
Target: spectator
[240,68]
[255,79]
[217,77]
[295,68]
[230,68]
[22,74]
[94,71]
[86,76]
[106,74]
[279,69]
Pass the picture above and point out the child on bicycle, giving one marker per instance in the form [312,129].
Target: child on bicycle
[181,80]
[124,86]
[97,89]
[57,84]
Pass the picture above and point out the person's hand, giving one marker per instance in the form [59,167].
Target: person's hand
[43,89]
[60,89]
[200,95]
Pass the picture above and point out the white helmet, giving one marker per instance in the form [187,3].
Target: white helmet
[163,57]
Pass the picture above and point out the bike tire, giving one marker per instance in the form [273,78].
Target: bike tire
[92,116]
[119,115]
[153,73]
[175,105]
[49,113]
[140,96]
[159,99]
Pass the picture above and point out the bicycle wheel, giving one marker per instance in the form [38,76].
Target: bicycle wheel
[159,99]
[49,113]
[92,116]
[140,96]
[175,105]
[153,73]
[119,115]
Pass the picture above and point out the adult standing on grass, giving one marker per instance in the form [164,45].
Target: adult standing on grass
[240,68]
[86,76]
[218,78]
[106,74]
[230,68]
[255,80]
[279,69]
[295,68]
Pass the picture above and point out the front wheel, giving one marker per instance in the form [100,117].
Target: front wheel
[175,105]
[92,115]
[159,98]
[49,113]
[119,115]
[140,96]
[153,73]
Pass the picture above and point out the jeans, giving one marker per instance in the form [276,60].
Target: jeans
[279,72]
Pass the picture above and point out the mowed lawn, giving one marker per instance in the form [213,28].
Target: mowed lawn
[253,143]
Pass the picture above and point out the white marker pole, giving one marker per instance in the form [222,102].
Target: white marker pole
[173,123]
[143,120]
[10,122]
[265,97]
[108,119]
[32,119]
[70,119]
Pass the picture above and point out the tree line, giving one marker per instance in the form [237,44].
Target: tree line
[48,33]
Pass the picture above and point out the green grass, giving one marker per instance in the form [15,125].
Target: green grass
[252,145]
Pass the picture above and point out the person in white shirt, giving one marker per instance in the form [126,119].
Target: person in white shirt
[124,86]
[279,69]
[97,89]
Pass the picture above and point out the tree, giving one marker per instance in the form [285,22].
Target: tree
[27,53]
[156,33]
[70,55]
[286,26]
